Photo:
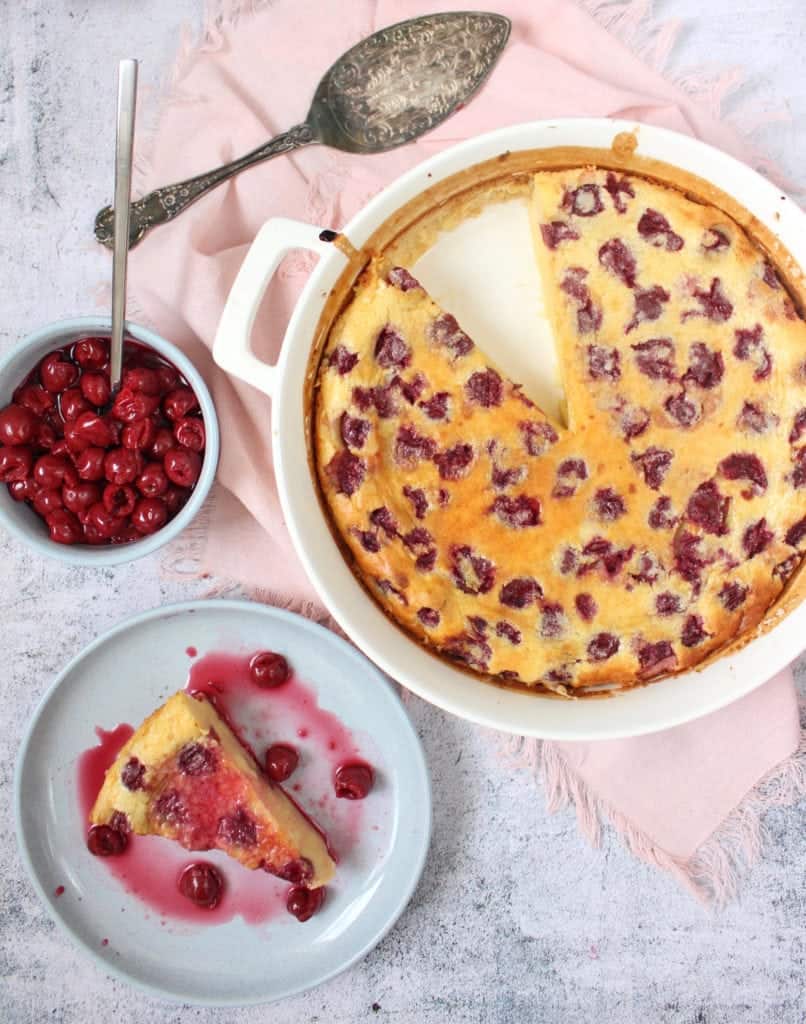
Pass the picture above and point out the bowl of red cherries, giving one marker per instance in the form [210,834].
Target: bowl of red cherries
[93,478]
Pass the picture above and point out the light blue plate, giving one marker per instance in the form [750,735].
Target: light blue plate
[123,676]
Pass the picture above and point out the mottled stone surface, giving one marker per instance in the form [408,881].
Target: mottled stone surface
[516,919]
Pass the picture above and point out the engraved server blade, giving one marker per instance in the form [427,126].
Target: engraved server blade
[387,90]
[405,79]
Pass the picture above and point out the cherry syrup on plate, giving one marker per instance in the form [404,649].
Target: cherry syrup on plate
[263,717]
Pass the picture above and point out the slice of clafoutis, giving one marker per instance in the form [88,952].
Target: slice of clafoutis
[184,775]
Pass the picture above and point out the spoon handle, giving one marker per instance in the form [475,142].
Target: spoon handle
[127,98]
[163,204]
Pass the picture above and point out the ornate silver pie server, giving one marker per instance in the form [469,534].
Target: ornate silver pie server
[385,91]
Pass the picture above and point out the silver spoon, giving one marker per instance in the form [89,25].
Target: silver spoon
[385,91]
[124,138]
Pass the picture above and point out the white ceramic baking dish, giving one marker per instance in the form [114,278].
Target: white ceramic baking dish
[643,710]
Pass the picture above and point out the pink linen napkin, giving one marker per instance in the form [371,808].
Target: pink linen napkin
[251,76]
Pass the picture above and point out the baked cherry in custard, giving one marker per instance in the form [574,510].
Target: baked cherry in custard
[80,464]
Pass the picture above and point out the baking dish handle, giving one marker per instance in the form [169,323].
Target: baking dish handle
[232,350]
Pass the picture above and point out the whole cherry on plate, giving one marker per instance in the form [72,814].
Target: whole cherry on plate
[353,780]
[281,762]
[105,841]
[269,669]
[202,884]
[304,903]
[102,471]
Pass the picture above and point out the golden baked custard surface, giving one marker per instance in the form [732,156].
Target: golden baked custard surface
[650,531]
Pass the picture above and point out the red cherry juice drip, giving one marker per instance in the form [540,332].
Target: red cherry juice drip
[225,680]
[93,763]
[58,891]
[191,652]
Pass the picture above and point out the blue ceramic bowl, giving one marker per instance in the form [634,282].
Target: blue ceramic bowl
[21,520]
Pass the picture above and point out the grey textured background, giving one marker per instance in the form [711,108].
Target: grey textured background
[516,919]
